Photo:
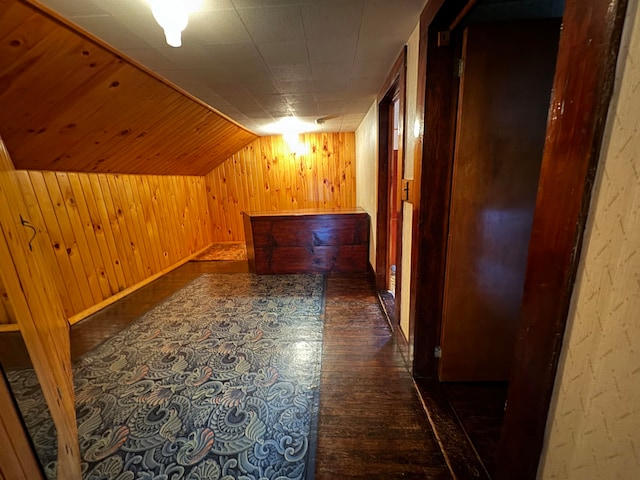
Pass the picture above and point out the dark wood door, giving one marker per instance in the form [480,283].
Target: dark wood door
[503,103]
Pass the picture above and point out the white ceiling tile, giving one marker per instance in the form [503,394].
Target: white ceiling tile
[281,111]
[299,98]
[351,121]
[332,20]
[202,92]
[273,24]
[332,107]
[123,7]
[181,77]
[260,86]
[263,3]
[298,86]
[189,57]
[375,20]
[235,54]
[250,72]
[150,58]
[371,68]
[259,60]
[211,5]
[220,27]
[332,85]
[242,101]
[361,105]
[292,73]
[224,88]
[203,74]
[322,97]
[305,109]
[378,49]
[332,50]
[71,8]
[284,53]
[269,101]
[144,27]
[364,85]
[330,77]
[111,31]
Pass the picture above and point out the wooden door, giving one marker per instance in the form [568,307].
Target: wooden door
[504,97]
[38,310]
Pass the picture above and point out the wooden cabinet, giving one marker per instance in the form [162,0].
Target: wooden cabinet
[307,241]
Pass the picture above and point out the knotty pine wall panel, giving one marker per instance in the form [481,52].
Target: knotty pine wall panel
[266,176]
[6,313]
[70,102]
[112,232]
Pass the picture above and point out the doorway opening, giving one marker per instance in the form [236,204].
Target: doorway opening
[393,201]
[504,87]
[389,212]
[503,58]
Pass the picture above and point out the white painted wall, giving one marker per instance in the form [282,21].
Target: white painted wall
[412,150]
[367,172]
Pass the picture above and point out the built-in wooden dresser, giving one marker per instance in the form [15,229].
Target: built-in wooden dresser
[307,241]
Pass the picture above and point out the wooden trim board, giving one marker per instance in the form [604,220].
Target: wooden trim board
[114,298]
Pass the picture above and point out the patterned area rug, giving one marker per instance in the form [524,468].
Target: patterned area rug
[224,251]
[218,382]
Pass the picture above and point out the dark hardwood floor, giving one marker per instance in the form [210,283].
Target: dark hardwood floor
[372,422]
[94,330]
[480,409]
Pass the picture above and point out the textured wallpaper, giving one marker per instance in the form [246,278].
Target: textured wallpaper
[593,430]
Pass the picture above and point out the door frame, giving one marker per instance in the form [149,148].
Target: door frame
[393,87]
[580,100]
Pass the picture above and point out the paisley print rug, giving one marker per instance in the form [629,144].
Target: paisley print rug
[218,382]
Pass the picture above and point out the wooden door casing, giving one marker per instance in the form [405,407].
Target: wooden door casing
[583,86]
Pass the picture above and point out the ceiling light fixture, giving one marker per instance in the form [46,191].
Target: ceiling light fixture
[173,17]
[290,128]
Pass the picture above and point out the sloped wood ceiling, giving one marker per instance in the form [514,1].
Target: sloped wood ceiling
[71,103]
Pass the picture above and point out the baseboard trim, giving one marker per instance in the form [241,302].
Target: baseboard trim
[114,298]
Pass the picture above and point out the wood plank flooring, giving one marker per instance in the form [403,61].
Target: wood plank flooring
[371,423]
[480,409]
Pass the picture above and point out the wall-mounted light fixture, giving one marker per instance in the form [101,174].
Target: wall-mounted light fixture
[173,17]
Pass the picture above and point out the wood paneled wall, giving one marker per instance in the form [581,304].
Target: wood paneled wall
[26,274]
[6,312]
[266,176]
[70,102]
[112,232]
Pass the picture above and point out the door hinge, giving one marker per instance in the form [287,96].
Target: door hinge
[437,352]
[458,67]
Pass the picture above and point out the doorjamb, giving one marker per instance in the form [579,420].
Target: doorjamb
[393,87]
[591,31]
